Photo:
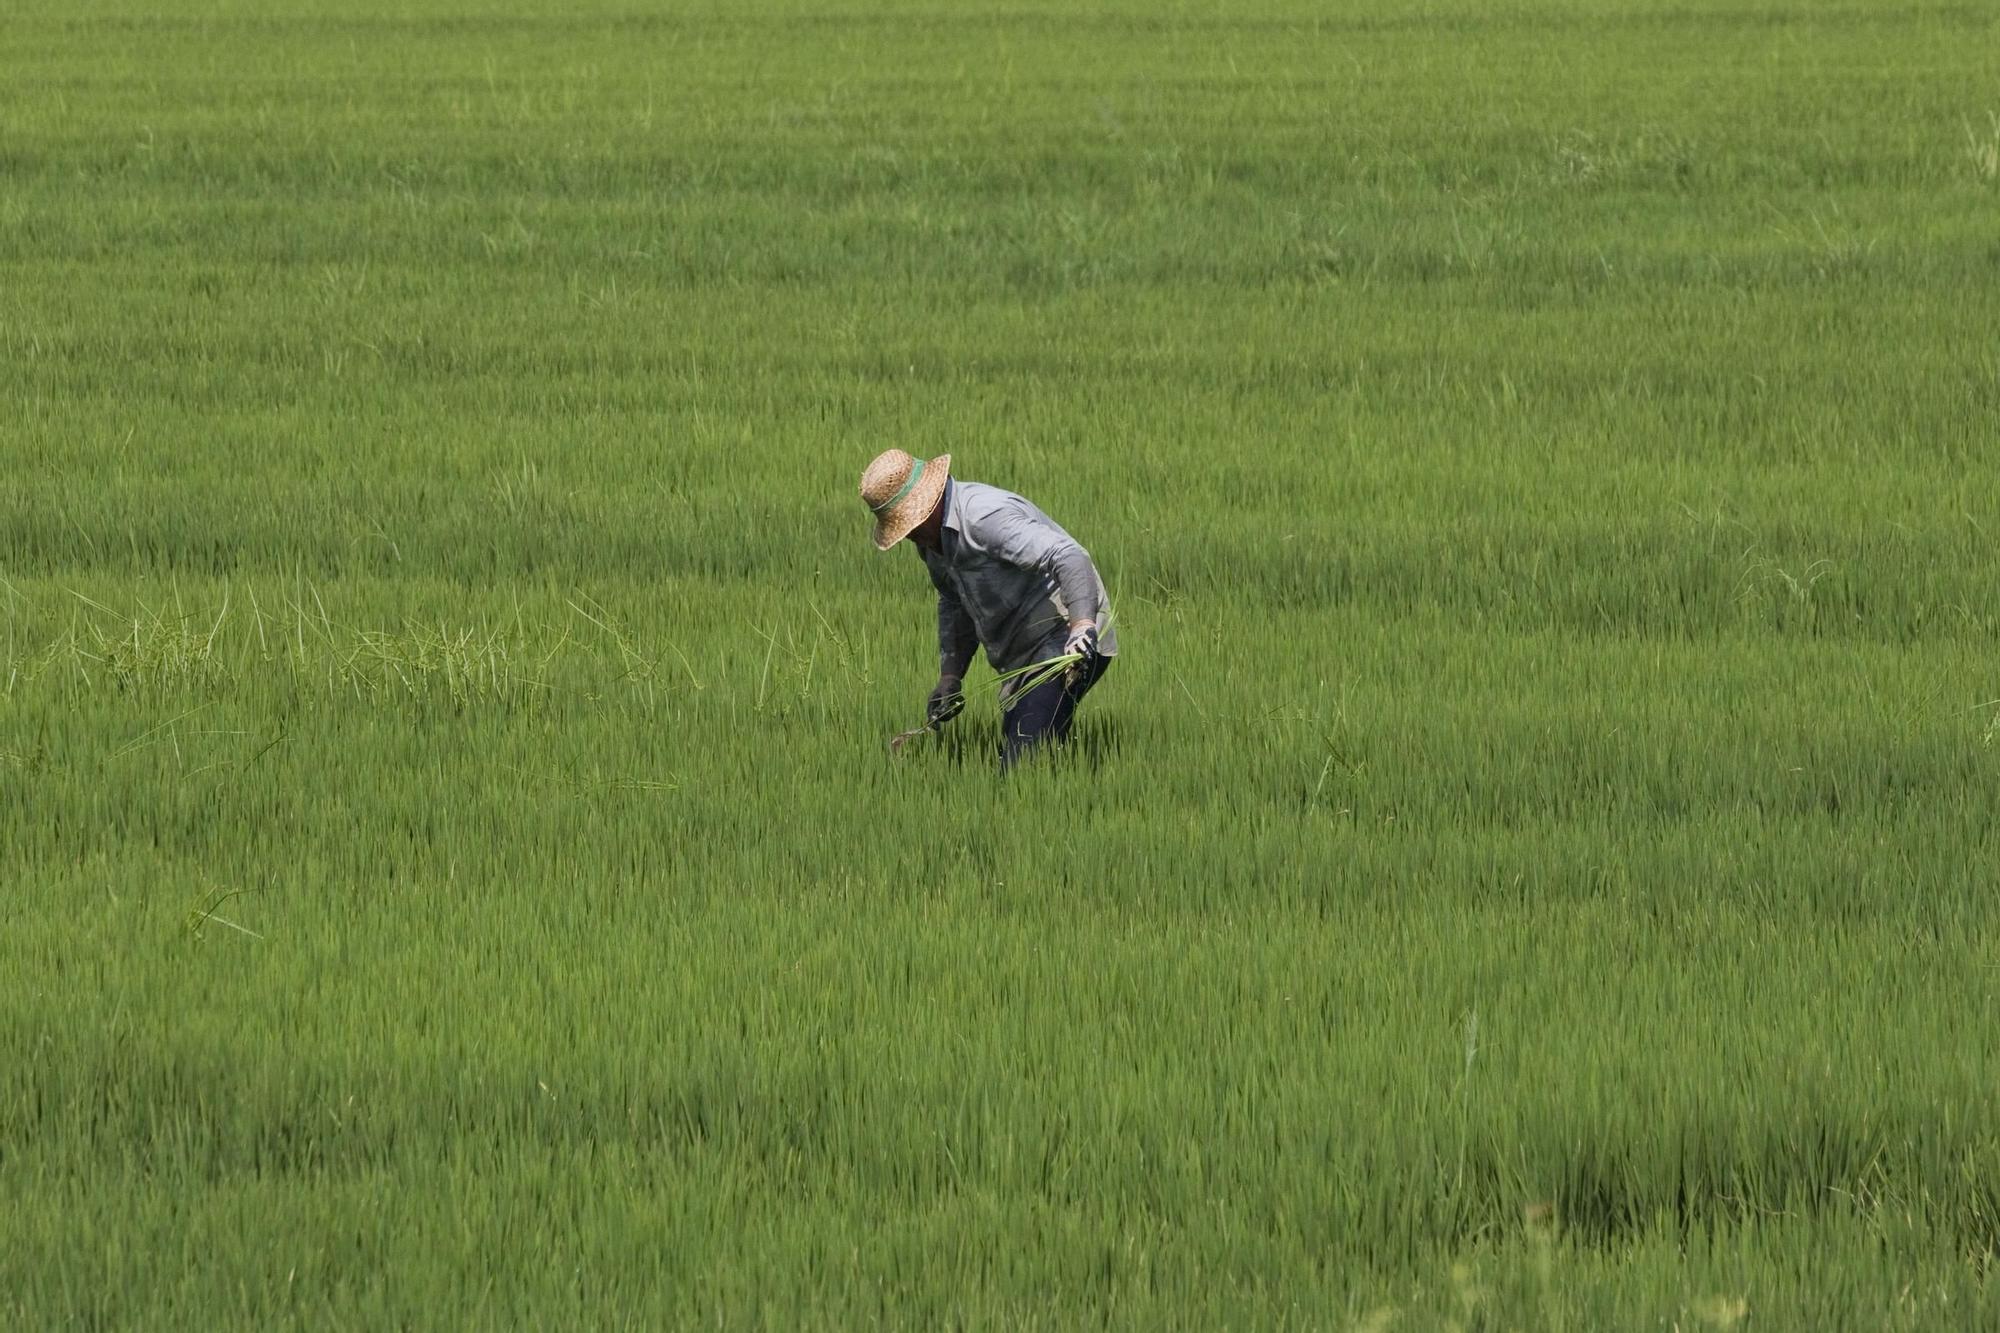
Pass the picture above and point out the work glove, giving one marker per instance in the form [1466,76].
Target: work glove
[947,701]
[1082,641]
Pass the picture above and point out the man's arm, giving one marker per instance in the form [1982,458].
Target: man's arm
[1023,538]
[1076,580]
[958,640]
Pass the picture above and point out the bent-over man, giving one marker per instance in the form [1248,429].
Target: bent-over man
[1009,580]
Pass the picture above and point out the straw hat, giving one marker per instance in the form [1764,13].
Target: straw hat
[901,491]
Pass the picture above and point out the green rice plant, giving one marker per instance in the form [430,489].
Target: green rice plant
[442,816]
[1010,685]
[1983,150]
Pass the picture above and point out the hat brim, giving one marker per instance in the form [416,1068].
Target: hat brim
[907,514]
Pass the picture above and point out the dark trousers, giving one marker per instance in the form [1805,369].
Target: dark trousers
[1044,713]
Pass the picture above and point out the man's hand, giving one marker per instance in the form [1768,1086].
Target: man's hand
[947,701]
[1082,640]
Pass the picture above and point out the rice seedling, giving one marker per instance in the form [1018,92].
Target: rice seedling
[1012,685]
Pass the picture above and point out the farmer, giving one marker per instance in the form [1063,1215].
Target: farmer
[1008,580]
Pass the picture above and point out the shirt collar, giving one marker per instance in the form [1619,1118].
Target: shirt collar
[948,534]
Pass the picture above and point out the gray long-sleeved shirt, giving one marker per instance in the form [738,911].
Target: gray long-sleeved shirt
[1008,579]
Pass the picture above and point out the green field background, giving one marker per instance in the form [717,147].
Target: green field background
[1532,866]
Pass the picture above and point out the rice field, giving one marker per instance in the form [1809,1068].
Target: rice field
[1533,866]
